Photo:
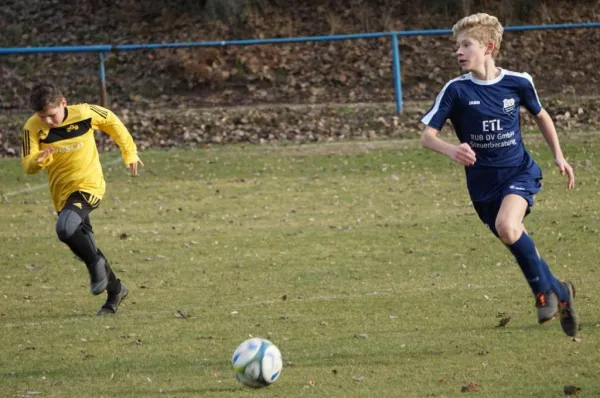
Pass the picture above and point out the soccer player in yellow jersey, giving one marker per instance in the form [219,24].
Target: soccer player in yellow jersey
[59,138]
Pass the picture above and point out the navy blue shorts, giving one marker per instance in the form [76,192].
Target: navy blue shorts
[526,182]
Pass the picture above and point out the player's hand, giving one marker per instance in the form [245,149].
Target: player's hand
[565,168]
[134,167]
[44,155]
[464,154]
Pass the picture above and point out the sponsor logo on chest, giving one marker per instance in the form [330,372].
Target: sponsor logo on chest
[69,148]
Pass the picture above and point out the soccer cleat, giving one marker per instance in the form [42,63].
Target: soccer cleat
[568,317]
[113,301]
[547,306]
[98,276]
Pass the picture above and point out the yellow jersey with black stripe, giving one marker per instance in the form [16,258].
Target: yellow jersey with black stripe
[74,165]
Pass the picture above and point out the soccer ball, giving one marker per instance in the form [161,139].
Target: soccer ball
[257,363]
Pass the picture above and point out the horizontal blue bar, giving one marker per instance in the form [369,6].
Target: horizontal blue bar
[56,49]
[554,26]
[301,39]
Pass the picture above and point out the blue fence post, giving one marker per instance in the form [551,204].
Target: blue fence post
[397,75]
[102,75]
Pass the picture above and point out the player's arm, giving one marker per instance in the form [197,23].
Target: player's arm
[435,119]
[461,153]
[546,126]
[105,120]
[32,159]
[530,100]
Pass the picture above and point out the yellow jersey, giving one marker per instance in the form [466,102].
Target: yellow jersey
[74,165]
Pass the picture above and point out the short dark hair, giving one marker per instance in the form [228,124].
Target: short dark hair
[43,95]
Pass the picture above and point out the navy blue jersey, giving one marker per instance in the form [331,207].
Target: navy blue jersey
[485,114]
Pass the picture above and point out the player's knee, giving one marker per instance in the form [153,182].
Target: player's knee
[508,232]
[67,224]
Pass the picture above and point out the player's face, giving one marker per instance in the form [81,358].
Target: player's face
[52,115]
[470,52]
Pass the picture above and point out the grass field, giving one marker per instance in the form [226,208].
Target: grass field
[363,261]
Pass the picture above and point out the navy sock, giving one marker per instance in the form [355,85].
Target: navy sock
[531,265]
[555,285]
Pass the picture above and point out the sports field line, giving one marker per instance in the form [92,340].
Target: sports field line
[45,185]
[233,309]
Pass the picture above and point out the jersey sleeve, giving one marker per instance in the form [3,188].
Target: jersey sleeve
[442,108]
[529,97]
[105,120]
[30,149]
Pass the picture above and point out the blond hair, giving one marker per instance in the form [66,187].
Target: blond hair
[482,27]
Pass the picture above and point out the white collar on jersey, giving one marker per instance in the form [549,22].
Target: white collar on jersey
[486,82]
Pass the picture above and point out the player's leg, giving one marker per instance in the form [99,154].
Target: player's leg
[558,287]
[545,287]
[113,284]
[75,229]
[569,320]
[116,290]
[509,224]
[504,218]
[71,230]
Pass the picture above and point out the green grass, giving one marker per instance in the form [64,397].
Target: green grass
[392,286]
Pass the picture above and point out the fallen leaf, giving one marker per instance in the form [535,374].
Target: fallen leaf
[571,390]
[182,315]
[471,387]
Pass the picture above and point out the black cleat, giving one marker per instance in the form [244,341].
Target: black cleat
[568,317]
[98,276]
[113,301]
[547,306]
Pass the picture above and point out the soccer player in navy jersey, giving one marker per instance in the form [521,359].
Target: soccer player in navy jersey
[59,139]
[502,178]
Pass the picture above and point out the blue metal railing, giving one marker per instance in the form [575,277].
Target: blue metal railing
[101,49]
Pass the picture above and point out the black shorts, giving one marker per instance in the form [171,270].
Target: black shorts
[82,203]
